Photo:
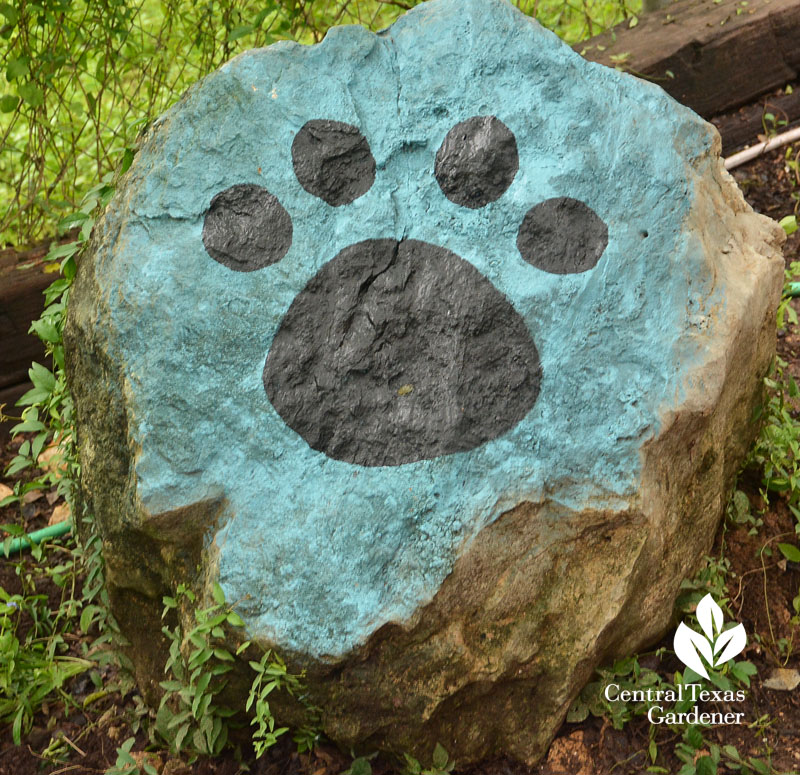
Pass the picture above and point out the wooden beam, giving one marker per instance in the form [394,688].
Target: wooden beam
[710,56]
[22,280]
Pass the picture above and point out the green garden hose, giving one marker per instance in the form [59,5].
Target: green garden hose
[26,542]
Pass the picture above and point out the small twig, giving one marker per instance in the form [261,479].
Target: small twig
[741,578]
[72,745]
[764,570]
[68,768]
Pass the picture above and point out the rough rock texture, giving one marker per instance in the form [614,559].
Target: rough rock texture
[450,483]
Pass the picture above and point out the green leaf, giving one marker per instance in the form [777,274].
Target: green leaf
[240,32]
[743,671]
[267,10]
[741,507]
[9,12]
[30,423]
[694,737]
[69,222]
[17,68]
[720,681]
[38,444]
[790,552]
[32,94]
[57,252]
[8,103]
[17,464]
[440,757]
[731,751]
[127,745]
[760,766]
[127,159]
[789,224]
[46,331]
[412,766]
[179,737]
[578,712]
[218,594]
[87,617]
[360,766]
[124,759]
[42,377]
[705,765]
[33,396]
[235,620]
[178,719]
[16,730]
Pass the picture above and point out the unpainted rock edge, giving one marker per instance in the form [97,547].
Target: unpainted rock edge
[146,556]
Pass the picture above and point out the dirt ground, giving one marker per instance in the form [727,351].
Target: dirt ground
[85,739]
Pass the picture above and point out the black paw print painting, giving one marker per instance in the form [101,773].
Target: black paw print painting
[401,350]
[387,286]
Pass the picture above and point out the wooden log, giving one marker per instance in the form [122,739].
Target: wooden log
[22,280]
[711,56]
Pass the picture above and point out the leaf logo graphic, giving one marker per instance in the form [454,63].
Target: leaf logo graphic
[716,646]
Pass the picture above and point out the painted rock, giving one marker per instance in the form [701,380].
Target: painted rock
[438,349]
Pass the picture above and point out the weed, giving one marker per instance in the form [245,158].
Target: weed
[770,123]
[738,512]
[127,765]
[360,765]
[190,718]
[441,763]
[32,666]
[48,404]
[777,447]
[271,674]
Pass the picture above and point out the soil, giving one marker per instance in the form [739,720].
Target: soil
[69,738]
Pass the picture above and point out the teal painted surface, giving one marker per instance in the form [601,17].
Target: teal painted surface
[319,552]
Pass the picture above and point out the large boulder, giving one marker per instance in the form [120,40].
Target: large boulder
[438,349]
